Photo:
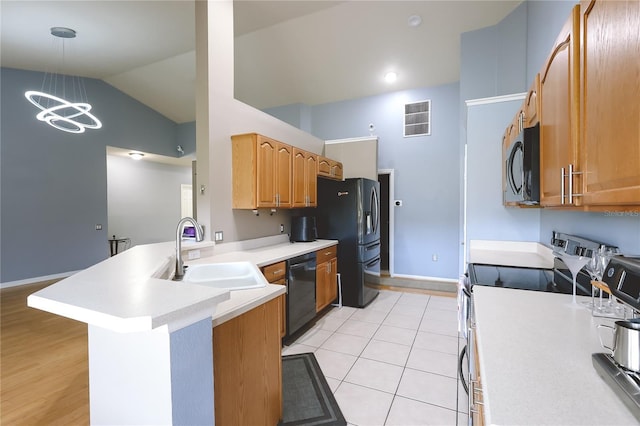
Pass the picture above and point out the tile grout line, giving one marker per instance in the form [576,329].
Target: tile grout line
[411,346]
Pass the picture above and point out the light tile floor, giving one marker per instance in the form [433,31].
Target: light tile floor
[392,363]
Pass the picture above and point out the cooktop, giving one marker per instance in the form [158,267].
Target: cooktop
[536,279]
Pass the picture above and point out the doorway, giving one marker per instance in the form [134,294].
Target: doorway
[385,178]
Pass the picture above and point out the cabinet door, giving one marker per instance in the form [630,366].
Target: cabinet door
[531,104]
[311,179]
[275,274]
[266,172]
[326,283]
[336,170]
[610,76]
[247,367]
[332,281]
[283,172]
[559,103]
[321,285]
[324,167]
[299,176]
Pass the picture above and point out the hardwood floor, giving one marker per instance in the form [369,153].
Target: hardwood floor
[43,364]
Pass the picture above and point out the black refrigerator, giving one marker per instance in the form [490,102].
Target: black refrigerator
[349,211]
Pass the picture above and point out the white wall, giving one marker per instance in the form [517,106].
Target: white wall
[143,199]
[359,156]
[218,116]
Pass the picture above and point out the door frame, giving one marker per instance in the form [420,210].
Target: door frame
[391,210]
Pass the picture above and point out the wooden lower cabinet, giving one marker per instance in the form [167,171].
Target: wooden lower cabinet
[247,368]
[276,274]
[326,277]
[476,389]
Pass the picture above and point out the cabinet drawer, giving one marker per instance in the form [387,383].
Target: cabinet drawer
[275,272]
[326,254]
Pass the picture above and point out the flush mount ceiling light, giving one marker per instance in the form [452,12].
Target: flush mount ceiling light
[63,99]
[414,20]
[390,77]
[136,155]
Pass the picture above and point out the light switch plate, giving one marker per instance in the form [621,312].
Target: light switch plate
[194,254]
[218,236]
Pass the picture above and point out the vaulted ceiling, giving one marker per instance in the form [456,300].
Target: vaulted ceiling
[287,52]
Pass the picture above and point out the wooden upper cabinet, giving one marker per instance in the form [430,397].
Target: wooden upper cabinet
[329,168]
[304,178]
[261,169]
[530,108]
[337,171]
[559,113]
[266,173]
[324,166]
[283,173]
[610,89]
[311,172]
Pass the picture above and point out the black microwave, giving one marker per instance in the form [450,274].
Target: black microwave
[522,169]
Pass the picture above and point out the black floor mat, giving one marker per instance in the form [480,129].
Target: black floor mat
[306,396]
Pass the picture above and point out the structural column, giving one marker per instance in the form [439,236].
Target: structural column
[152,377]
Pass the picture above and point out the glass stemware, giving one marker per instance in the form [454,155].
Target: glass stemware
[575,264]
[595,270]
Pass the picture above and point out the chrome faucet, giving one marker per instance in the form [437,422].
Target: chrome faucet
[199,236]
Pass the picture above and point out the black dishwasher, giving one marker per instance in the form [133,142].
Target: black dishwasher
[301,291]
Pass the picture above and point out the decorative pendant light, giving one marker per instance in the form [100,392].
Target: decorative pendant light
[63,99]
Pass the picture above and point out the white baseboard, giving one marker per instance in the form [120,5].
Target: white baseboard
[36,279]
[425,278]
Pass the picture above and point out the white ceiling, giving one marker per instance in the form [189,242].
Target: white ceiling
[287,52]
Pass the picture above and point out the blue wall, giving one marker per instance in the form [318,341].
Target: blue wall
[487,218]
[540,23]
[427,174]
[498,60]
[544,22]
[54,184]
[493,60]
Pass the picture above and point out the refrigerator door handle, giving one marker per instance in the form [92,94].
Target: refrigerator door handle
[372,246]
[372,263]
[374,208]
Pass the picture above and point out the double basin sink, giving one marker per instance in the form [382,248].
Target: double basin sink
[229,276]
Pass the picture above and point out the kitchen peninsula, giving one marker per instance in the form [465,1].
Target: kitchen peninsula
[150,352]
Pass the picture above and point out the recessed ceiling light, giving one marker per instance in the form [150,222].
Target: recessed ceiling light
[390,77]
[136,155]
[414,20]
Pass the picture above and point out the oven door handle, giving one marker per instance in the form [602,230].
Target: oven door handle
[463,354]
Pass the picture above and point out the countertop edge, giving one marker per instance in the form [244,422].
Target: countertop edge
[95,295]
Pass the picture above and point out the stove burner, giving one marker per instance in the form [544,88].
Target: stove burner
[624,383]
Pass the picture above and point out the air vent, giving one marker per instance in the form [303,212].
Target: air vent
[417,119]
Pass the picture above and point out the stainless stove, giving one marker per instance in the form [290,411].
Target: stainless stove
[622,275]
[624,383]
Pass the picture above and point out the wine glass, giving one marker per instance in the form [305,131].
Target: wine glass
[595,270]
[605,254]
[575,264]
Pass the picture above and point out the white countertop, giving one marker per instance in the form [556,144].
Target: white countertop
[526,254]
[534,352]
[123,294]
